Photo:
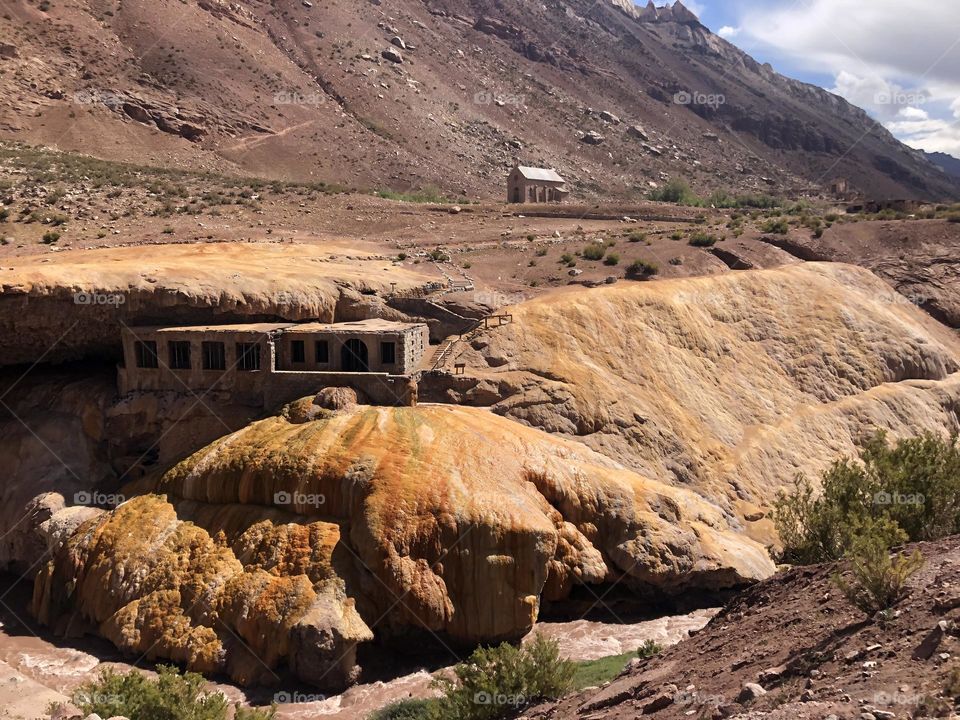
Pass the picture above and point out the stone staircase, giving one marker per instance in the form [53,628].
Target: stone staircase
[445,349]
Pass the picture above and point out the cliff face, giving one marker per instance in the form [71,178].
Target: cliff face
[450,520]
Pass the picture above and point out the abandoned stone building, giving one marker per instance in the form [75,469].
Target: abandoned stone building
[268,364]
[535,185]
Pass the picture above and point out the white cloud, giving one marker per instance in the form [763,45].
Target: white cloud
[728,32]
[899,61]
[912,114]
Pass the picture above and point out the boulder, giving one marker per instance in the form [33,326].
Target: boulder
[750,692]
[392,55]
[398,41]
[593,138]
[638,131]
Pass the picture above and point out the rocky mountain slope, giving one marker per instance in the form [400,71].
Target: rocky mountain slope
[794,647]
[406,93]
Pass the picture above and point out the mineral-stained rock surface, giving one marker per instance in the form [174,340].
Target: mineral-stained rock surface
[729,385]
[74,304]
[677,410]
[452,520]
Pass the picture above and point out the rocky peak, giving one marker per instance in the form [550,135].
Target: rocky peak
[678,12]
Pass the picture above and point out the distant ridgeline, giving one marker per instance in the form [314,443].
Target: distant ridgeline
[678,12]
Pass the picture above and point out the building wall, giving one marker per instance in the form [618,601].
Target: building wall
[278,380]
[532,191]
[245,387]
[409,346]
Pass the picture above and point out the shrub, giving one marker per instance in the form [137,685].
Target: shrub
[832,217]
[676,236]
[676,261]
[167,231]
[777,227]
[915,484]
[495,682]
[611,259]
[954,218]
[594,251]
[4,214]
[641,269]
[531,238]
[879,580]
[636,236]
[675,191]
[409,710]
[438,255]
[566,258]
[542,252]
[50,237]
[702,239]
[402,256]
[170,696]
[649,649]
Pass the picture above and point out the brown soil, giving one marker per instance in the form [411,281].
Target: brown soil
[813,652]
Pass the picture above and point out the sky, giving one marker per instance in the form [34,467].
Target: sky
[897,59]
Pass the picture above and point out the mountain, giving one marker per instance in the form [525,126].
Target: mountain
[950,164]
[447,93]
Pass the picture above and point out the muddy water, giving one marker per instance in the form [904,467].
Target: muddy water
[36,669]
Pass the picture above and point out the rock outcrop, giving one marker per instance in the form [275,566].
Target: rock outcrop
[73,305]
[729,385]
[315,533]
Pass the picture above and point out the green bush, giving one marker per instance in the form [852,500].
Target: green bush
[410,710]
[636,236]
[777,227]
[611,259]
[675,191]
[567,258]
[496,682]
[594,251]
[438,255]
[169,696]
[879,581]
[914,483]
[50,237]
[642,269]
[649,649]
[702,239]
[4,214]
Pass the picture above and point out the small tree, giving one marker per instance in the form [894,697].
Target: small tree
[879,580]
[495,682]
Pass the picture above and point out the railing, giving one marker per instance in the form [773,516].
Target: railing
[471,332]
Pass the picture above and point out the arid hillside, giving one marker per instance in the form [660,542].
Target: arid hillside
[447,94]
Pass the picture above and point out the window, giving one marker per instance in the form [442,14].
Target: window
[179,354]
[322,349]
[214,356]
[298,352]
[248,357]
[388,353]
[146,354]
